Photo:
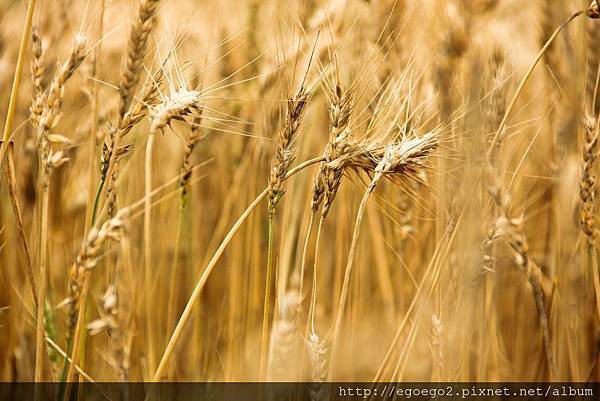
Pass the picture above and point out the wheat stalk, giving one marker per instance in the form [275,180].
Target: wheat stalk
[437,328]
[12,192]
[14,94]
[527,76]
[593,63]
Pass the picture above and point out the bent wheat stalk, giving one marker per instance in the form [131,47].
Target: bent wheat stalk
[402,158]
[525,79]
[12,191]
[187,312]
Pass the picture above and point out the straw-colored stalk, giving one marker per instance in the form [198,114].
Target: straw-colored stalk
[42,253]
[593,63]
[148,247]
[14,199]
[14,94]
[527,76]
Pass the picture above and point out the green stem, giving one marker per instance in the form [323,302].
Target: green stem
[97,199]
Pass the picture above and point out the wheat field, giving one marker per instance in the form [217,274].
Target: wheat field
[300,190]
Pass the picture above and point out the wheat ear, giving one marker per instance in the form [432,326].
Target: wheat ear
[79,281]
[282,159]
[137,46]
[328,179]
[587,196]
[281,347]
[512,229]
